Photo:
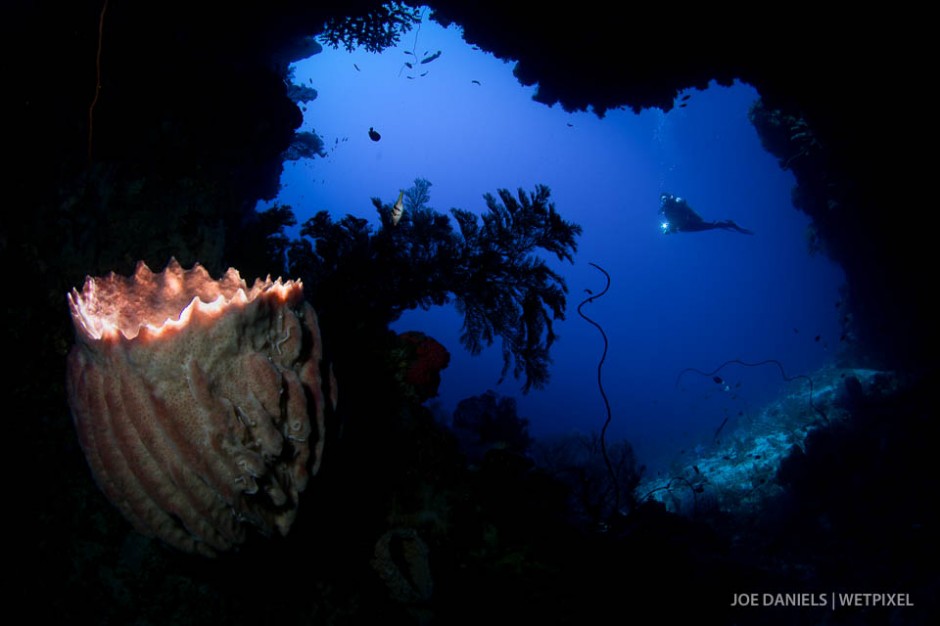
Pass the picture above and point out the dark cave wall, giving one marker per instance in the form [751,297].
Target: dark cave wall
[192,117]
[853,77]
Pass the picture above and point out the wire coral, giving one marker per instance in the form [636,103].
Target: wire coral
[415,65]
[600,382]
[94,101]
[775,362]
[594,499]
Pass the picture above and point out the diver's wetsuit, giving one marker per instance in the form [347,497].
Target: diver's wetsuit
[681,218]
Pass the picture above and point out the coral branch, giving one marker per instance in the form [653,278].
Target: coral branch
[94,101]
[779,365]
[600,383]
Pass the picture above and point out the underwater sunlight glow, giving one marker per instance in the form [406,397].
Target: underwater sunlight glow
[689,300]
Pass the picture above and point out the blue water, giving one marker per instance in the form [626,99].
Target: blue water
[686,300]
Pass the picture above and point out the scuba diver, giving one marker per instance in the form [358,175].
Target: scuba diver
[680,218]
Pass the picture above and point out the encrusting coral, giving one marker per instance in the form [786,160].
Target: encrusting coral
[423,359]
[193,400]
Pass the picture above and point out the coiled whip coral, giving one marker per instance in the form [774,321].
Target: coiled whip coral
[600,383]
[198,403]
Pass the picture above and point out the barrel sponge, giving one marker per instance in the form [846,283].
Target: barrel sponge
[198,402]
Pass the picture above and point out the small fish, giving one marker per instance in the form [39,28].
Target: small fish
[357,67]
[424,74]
[409,65]
[409,52]
[476,82]
[428,59]
[718,380]
[685,97]
[817,338]
[570,125]
[398,209]
[374,136]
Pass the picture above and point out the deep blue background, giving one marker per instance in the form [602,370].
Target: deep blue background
[687,300]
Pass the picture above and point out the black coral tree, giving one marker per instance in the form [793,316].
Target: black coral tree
[490,267]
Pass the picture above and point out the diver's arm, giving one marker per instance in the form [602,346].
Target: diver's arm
[695,226]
